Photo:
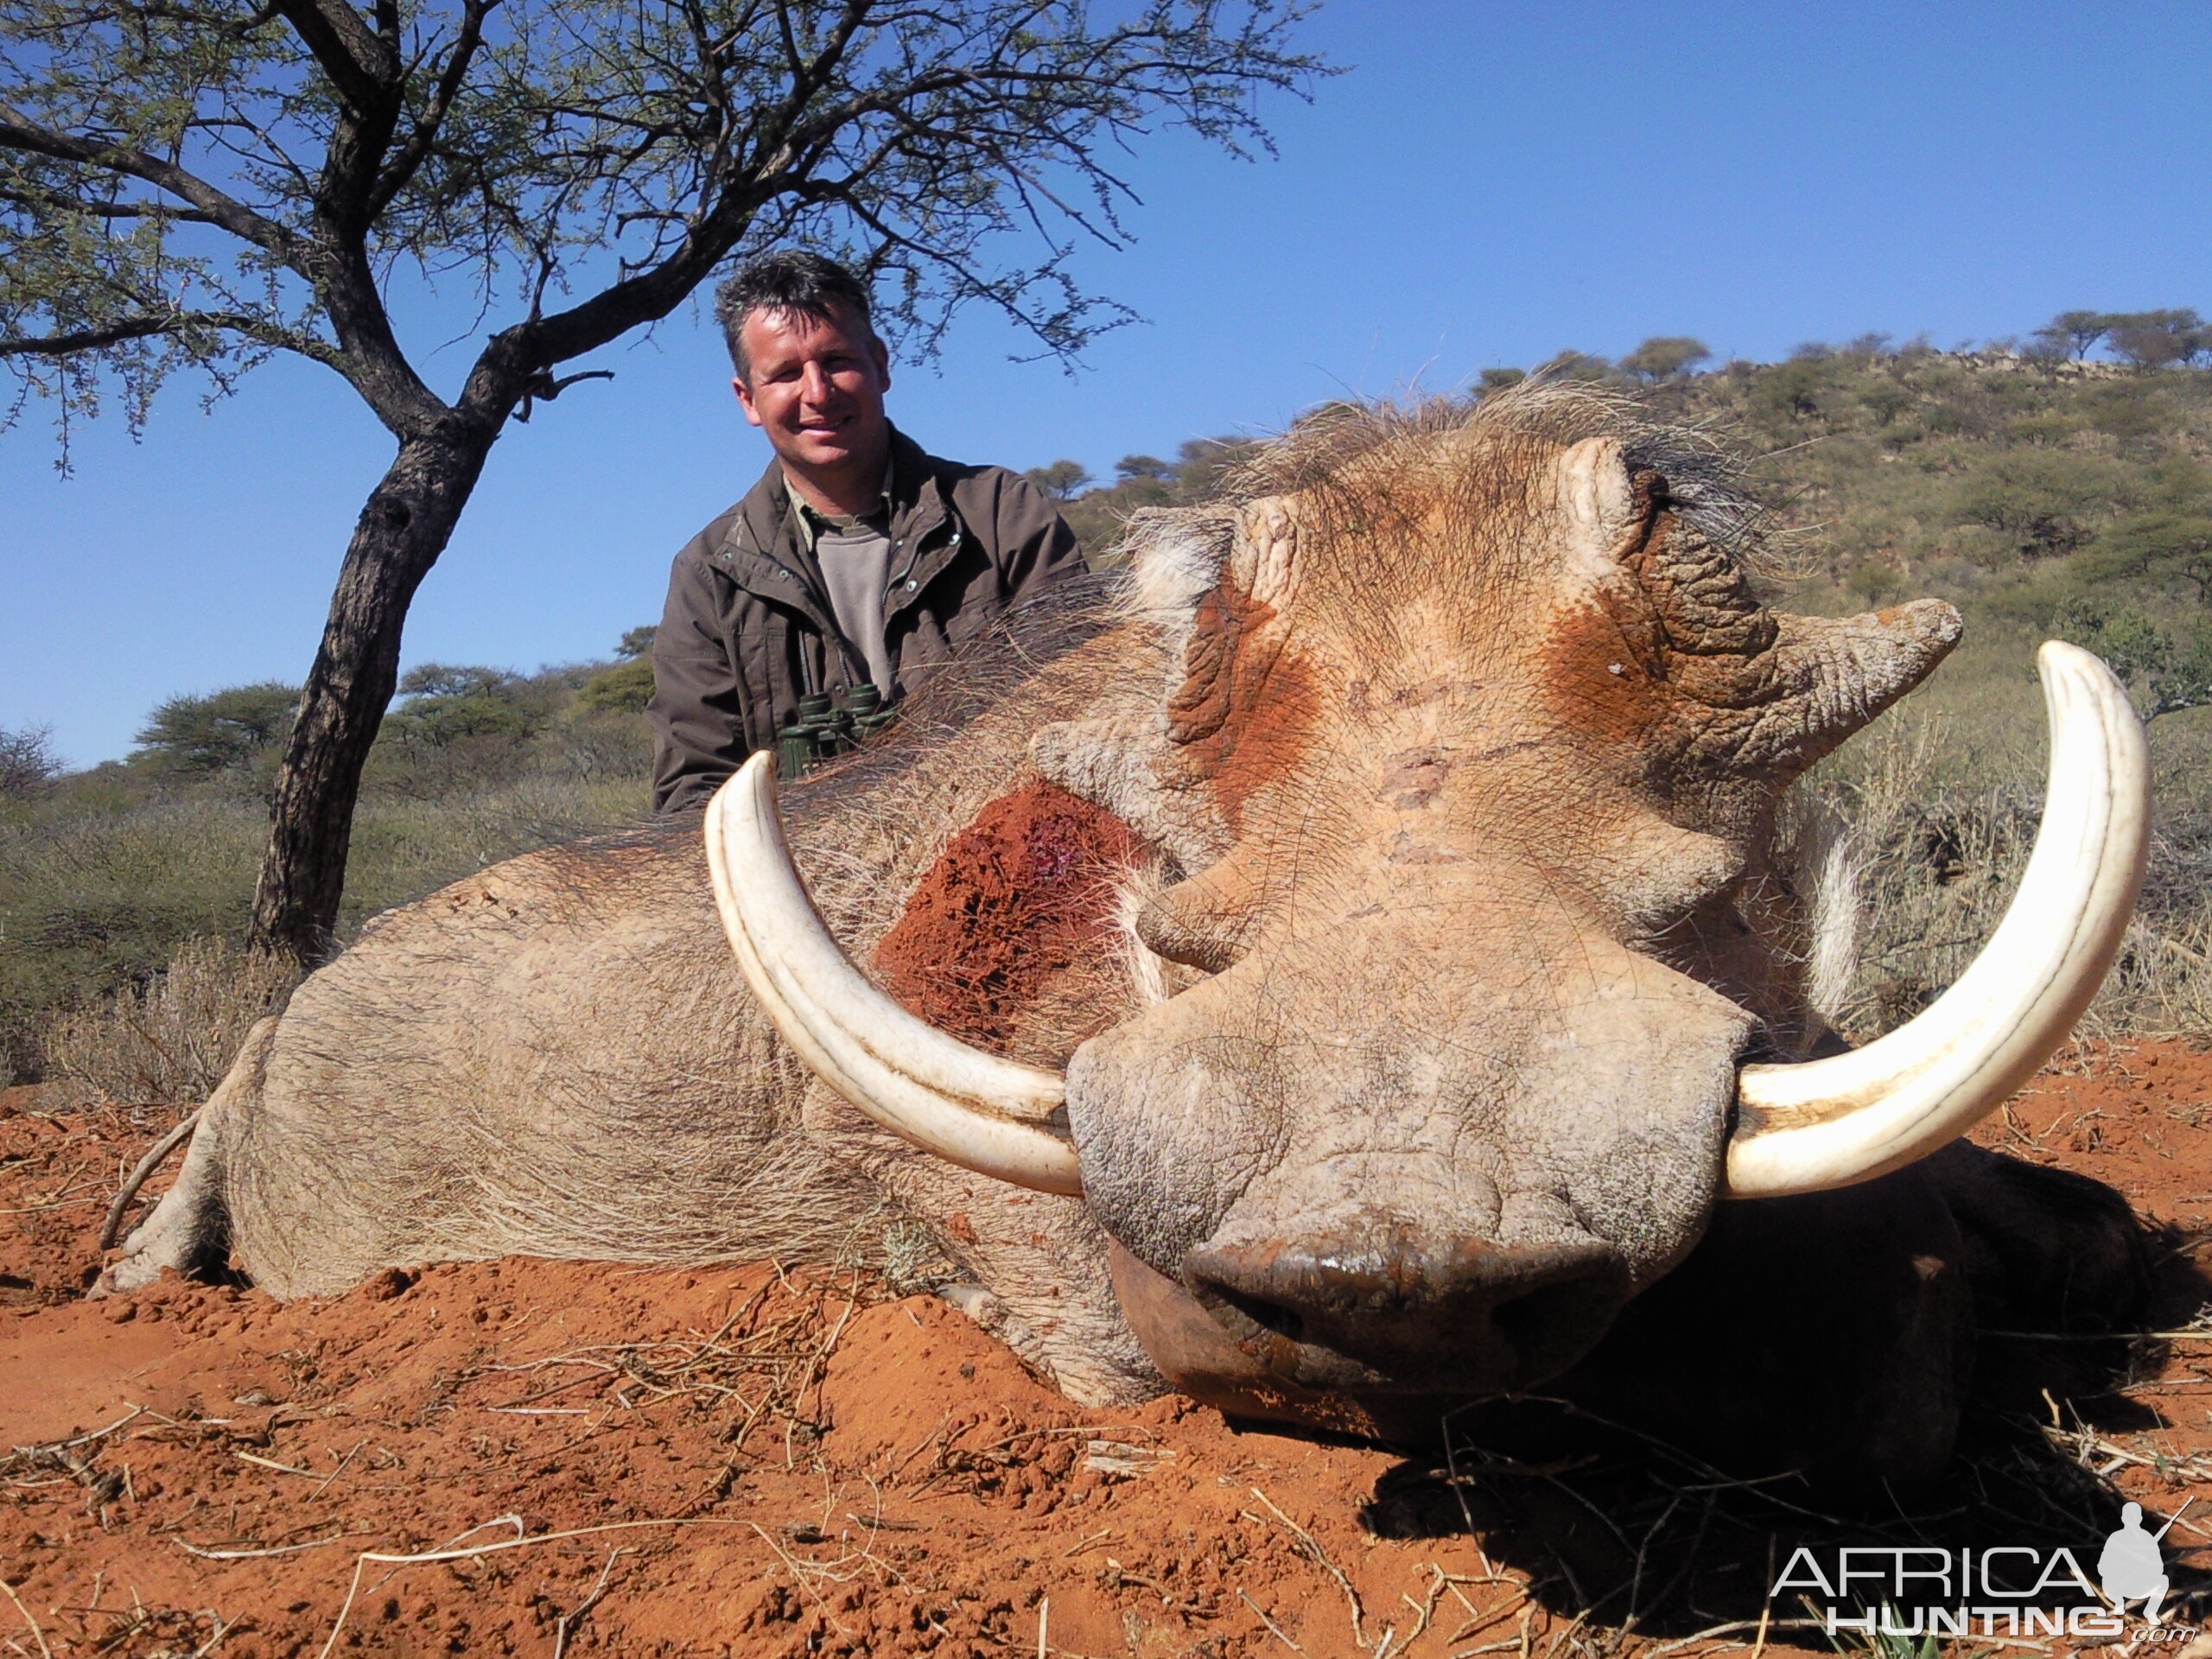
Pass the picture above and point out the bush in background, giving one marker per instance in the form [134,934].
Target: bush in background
[26,762]
[105,874]
[625,688]
[224,731]
[172,1038]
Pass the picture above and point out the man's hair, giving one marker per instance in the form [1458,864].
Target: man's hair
[790,281]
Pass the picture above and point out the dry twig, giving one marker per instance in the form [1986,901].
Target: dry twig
[568,1622]
[37,1635]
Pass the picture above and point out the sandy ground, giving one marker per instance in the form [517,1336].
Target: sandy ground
[595,1458]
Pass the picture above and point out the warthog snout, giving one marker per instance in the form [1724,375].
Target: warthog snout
[1342,1310]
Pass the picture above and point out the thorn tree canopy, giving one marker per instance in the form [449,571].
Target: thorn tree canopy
[200,184]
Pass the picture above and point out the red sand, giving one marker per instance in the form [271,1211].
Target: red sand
[738,1463]
[1015,900]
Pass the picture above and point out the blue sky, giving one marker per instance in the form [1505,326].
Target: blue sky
[1487,184]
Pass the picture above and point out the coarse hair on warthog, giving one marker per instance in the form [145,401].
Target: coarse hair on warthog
[1368,903]
[1350,463]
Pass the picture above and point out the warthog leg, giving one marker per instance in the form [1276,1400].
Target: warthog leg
[190,1228]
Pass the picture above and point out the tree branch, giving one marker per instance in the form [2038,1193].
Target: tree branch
[402,167]
[65,203]
[362,68]
[178,322]
[232,215]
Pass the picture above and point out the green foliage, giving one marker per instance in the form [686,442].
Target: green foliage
[441,704]
[2157,340]
[104,874]
[224,731]
[2163,548]
[1499,379]
[2145,339]
[1571,365]
[1061,480]
[2165,660]
[1664,356]
[202,187]
[622,689]
[2073,332]
[2039,502]
[1096,516]
[1202,463]
[636,642]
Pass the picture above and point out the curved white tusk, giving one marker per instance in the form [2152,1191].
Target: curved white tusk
[972,1108]
[1832,1123]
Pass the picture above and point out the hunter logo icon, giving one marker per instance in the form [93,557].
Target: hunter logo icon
[2132,1567]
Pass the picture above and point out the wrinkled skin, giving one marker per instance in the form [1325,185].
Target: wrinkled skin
[1495,765]
[1456,749]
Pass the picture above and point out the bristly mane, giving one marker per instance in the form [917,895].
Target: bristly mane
[1334,456]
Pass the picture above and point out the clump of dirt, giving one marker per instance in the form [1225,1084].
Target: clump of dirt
[1011,903]
[526,1457]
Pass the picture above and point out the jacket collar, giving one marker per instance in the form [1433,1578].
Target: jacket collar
[763,552]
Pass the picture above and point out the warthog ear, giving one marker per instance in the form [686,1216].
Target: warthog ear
[1758,690]
[1235,632]
[1591,484]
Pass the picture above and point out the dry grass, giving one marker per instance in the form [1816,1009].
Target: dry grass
[172,1038]
[1941,804]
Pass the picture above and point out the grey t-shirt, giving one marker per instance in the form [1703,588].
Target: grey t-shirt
[855,560]
[854,554]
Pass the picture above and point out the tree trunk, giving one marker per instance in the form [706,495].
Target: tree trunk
[403,528]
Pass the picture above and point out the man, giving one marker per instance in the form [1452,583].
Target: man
[2130,1564]
[857,559]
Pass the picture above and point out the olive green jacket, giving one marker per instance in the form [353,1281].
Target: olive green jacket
[748,628]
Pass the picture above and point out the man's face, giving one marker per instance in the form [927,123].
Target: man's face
[816,387]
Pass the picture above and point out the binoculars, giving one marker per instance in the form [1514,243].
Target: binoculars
[823,730]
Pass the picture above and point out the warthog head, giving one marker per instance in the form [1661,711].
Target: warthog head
[1490,728]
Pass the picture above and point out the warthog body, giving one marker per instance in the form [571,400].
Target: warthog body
[1389,862]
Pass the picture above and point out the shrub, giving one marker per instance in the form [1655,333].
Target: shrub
[2071,334]
[1664,356]
[223,731]
[2157,340]
[1571,365]
[2042,502]
[441,704]
[621,688]
[1060,480]
[172,1038]
[26,762]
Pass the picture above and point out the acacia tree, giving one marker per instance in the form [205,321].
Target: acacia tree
[201,184]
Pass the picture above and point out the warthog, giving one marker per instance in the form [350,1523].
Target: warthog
[1344,968]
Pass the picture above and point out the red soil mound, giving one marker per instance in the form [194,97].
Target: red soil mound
[736,1461]
[1011,904]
